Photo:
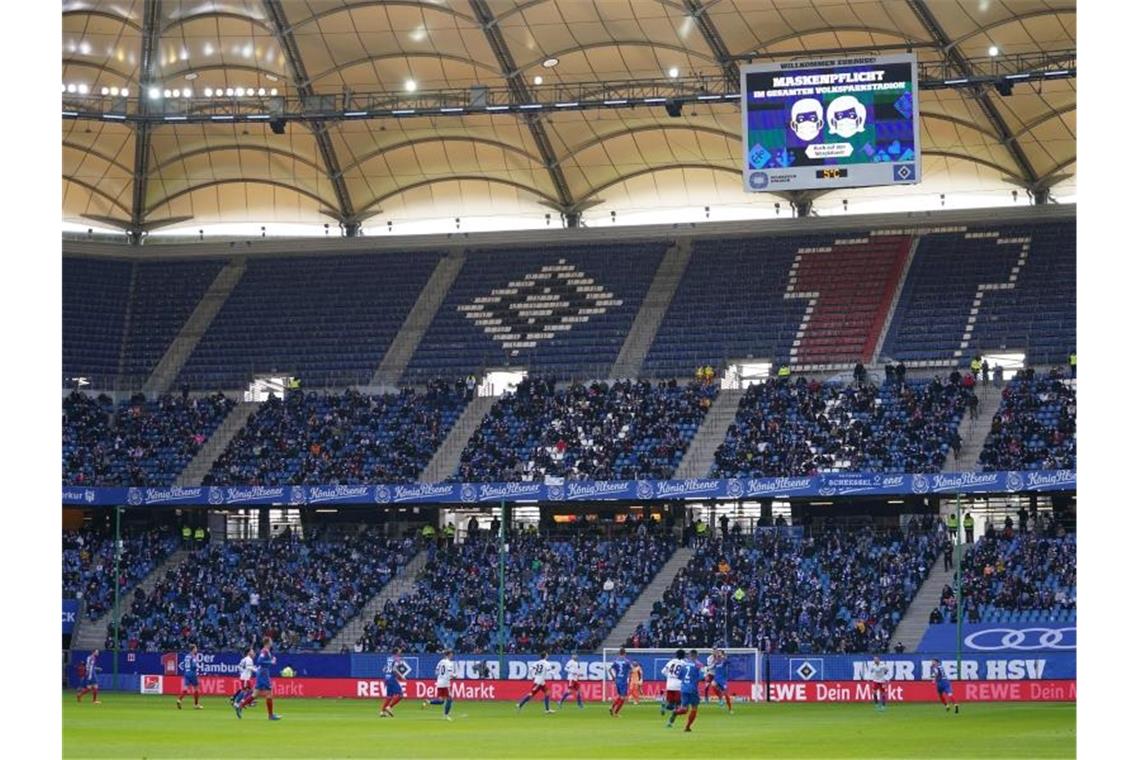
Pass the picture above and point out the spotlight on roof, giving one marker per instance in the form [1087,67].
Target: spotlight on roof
[410,85]
[550,63]
[208,92]
[538,80]
[674,72]
[83,89]
[105,91]
[993,51]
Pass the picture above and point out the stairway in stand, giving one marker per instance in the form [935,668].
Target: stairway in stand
[403,583]
[698,459]
[93,633]
[638,612]
[200,465]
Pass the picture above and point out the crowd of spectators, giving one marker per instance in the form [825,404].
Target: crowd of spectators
[842,591]
[1029,574]
[145,443]
[228,595]
[562,593]
[804,427]
[89,564]
[1036,425]
[350,438]
[601,431]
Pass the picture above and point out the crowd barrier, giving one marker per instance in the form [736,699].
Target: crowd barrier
[826,485]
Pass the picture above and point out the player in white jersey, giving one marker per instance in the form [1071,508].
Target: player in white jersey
[246,671]
[879,680]
[444,672]
[575,674]
[540,670]
[672,672]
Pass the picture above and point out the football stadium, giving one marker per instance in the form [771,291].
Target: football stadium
[557,378]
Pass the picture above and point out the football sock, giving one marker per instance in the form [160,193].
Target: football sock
[269,705]
[447,706]
[692,717]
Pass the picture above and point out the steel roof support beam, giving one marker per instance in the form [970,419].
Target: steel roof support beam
[713,39]
[284,34]
[955,58]
[152,17]
[520,93]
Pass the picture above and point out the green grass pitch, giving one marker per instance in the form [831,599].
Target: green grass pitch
[134,726]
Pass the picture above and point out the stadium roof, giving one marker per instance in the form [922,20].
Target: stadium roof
[975,141]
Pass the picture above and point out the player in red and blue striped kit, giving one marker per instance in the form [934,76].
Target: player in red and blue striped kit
[394,671]
[619,671]
[190,677]
[90,668]
[942,684]
[264,686]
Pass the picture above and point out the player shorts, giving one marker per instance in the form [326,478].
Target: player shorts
[90,681]
[246,683]
[673,696]
[264,684]
[190,682]
[690,699]
[573,686]
[537,688]
[392,688]
[875,686]
[944,687]
[442,692]
[622,688]
[709,678]
[722,685]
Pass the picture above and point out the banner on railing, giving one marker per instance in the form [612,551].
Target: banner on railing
[70,610]
[827,485]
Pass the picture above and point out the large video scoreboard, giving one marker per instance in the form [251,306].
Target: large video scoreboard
[822,124]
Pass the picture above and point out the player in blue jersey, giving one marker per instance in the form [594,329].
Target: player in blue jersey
[690,677]
[264,686]
[716,671]
[395,669]
[942,684]
[190,666]
[90,684]
[619,671]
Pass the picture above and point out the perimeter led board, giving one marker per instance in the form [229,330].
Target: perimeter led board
[811,125]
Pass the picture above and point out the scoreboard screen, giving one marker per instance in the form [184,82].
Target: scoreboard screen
[812,125]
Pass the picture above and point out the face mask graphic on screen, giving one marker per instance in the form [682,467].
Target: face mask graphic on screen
[846,116]
[807,119]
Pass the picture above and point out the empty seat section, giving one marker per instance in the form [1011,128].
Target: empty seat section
[1026,302]
[95,296]
[327,320]
[561,311]
[164,297]
[729,305]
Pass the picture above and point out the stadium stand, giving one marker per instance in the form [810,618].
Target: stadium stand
[164,296]
[805,427]
[147,443]
[89,561]
[563,593]
[619,431]
[326,320]
[559,311]
[1012,577]
[226,596]
[808,300]
[836,592]
[350,438]
[95,297]
[982,289]
[1035,427]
